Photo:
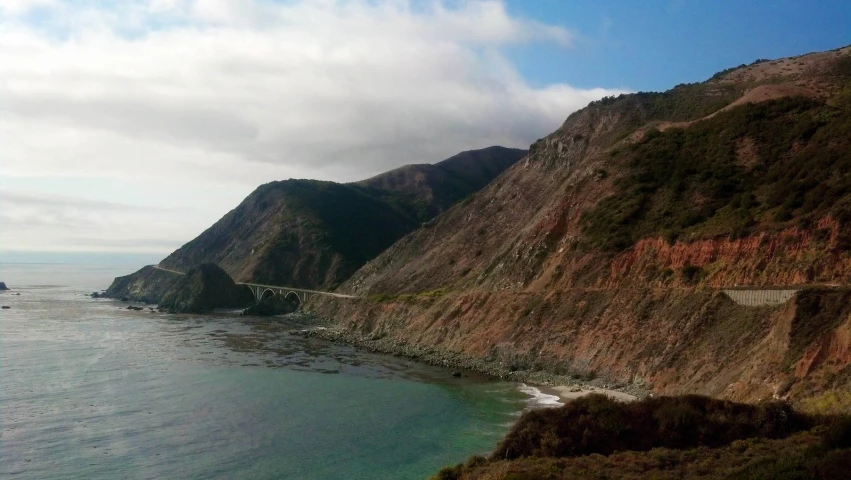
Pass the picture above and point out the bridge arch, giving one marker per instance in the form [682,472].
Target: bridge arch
[293,297]
[267,294]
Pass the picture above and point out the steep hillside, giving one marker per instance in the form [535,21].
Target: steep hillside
[423,191]
[296,232]
[314,234]
[602,250]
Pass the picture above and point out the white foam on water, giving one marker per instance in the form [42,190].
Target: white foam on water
[538,398]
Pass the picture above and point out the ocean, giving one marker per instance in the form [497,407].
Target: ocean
[91,390]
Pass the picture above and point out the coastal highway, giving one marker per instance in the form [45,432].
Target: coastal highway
[278,287]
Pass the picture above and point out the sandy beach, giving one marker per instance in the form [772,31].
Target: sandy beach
[568,393]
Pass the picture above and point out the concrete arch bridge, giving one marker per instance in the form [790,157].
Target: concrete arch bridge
[299,295]
[262,292]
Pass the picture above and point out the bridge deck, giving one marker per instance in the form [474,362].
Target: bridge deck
[303,290]
[275,287]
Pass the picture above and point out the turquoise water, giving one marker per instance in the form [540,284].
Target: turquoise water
[91,390]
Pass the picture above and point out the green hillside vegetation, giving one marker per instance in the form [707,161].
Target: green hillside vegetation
[315,234]
[684,102]
[666,437]
[423,191]
[694,182]
[336,217]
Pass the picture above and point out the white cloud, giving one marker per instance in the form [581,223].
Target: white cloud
[39,221]
[233,93]
[19,7]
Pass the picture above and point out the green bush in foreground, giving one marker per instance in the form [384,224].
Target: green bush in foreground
[598,424]
[667,437]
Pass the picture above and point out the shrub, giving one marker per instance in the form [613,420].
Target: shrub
[838,432]
[691,273]
[690,181]
[598,424]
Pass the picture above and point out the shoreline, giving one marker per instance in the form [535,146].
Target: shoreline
[550,384]
[567,393]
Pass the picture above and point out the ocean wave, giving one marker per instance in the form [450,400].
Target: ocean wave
[539,399]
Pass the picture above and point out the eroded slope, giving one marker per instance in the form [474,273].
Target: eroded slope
[601,251]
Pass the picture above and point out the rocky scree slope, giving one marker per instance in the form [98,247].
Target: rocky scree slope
[601,251]
[313,234]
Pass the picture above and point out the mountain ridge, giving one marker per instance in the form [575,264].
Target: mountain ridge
[313,234]
[601,251]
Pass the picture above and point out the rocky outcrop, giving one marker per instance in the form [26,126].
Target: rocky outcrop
[148,284]
[275,305]
[3,286]
[493,367]
[205,288]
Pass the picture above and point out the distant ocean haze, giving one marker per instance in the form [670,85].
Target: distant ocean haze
[71,269]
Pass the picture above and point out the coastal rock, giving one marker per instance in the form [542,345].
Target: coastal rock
[147,284]
[5,307]
[203,289]
[454,360]
[272,306]
[3,286]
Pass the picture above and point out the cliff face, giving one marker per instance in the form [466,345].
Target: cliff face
[313,234]
[601,251]
[672,340]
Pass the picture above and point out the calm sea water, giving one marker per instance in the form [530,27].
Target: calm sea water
[91,390]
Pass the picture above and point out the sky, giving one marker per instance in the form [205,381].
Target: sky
[131,126]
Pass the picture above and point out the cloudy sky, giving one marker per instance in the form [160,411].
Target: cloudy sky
[131,126]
